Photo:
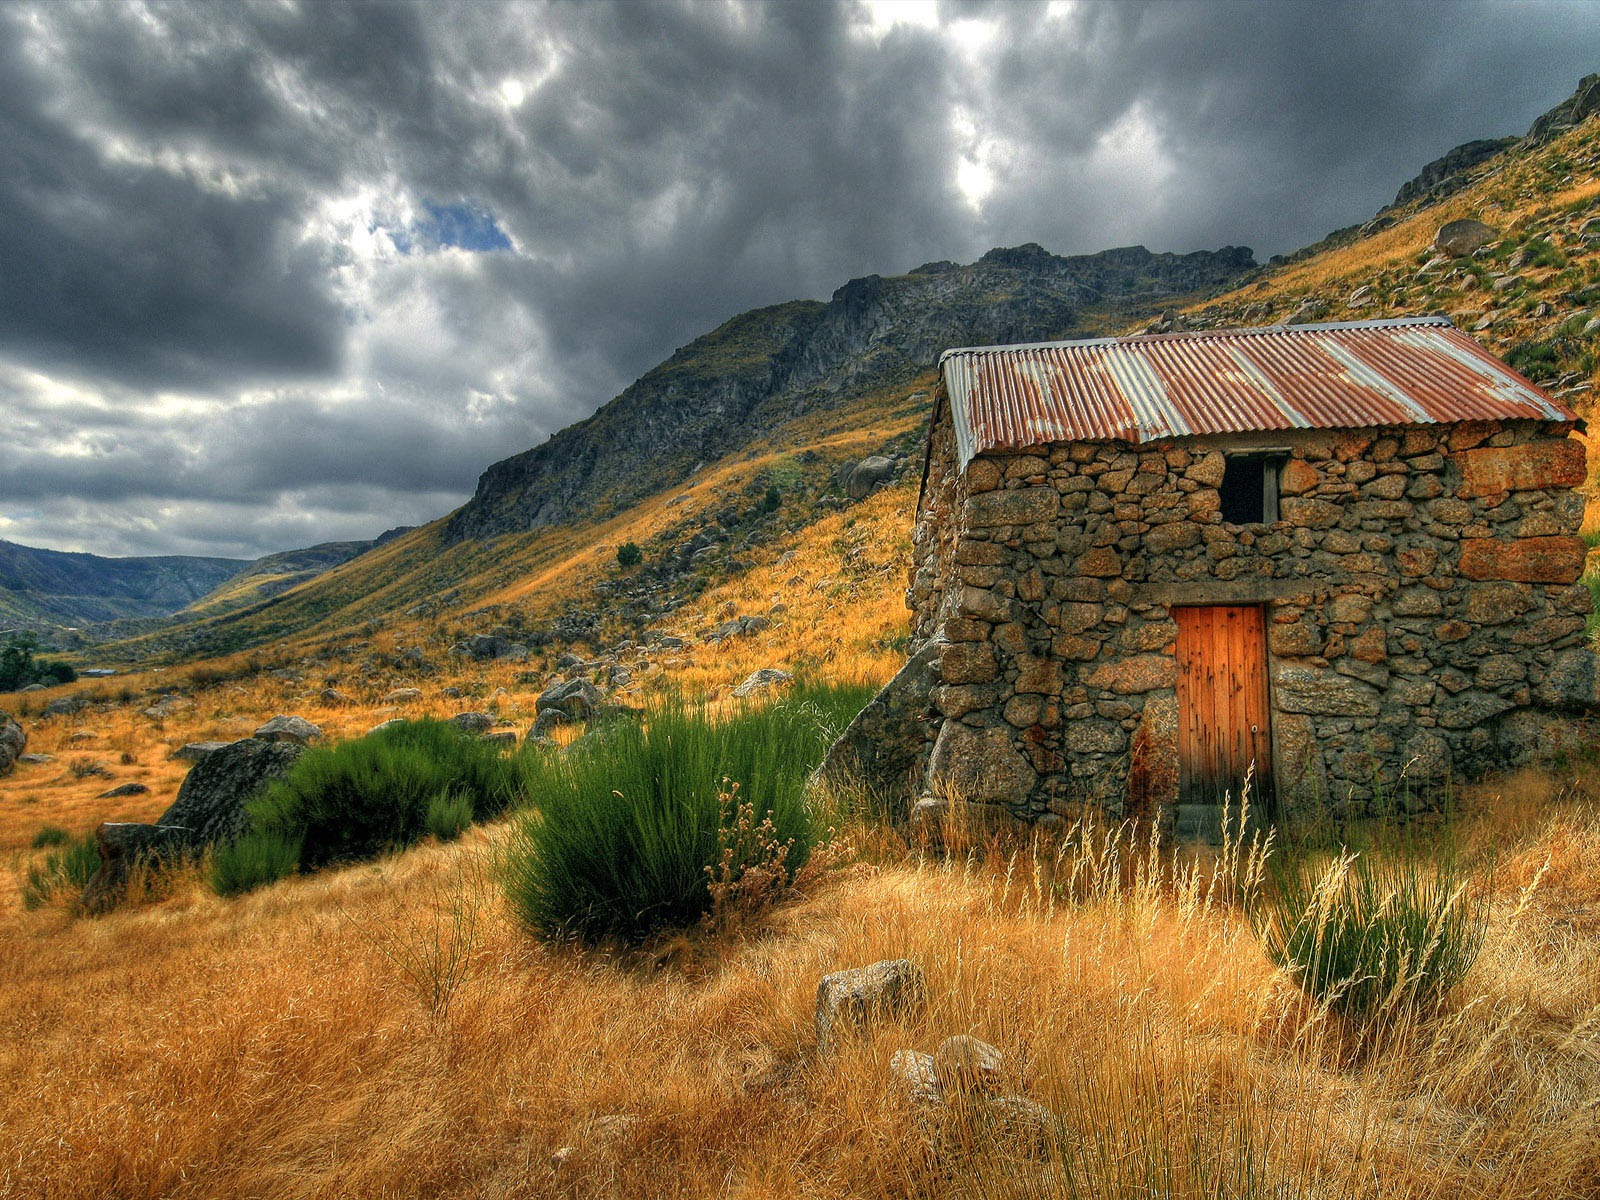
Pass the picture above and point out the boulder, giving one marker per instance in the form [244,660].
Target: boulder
[65,706]
[881,749]
[482,647]
[1460,238]
[894,987]
[575,699]
[289,729]
[195,751]
[123,789]
[547,721]
[401,695]
[859,479]
[916,1070]
[13,741]
[333,697]
[763,680]
[472,722]
[210,808]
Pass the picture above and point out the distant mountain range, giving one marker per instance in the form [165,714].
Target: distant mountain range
[49,591]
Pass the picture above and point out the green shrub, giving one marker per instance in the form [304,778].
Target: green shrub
[258,858]
[69,868]
[358,799]
[449,814]
[772,500]
[1372,935]
[629,555]
[50,835]
[630,829]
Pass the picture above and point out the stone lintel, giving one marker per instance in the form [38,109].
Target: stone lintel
[1232,591]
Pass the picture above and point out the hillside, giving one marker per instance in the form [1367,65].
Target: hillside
[45,589]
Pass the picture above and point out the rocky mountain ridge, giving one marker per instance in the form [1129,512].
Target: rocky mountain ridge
[774,364]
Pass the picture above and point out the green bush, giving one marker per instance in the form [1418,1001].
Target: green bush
[629,555]
[50,835]
[449,814]
[358,799]
[68,868]
[258,858]
[1372,935]
[631,828]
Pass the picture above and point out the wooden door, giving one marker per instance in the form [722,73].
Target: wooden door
[1223,724]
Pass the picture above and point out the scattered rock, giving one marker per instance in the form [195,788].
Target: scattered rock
[389,724]
[883,989]
[32,687]
[481,647]
[1460,238]
[501,737]
[195,751]
[967,1066]
[575,699]
[65,706]
[547,721]
[472,722]
[763,680]
[401,695]
[123,789]
[13,741]
[333,697]
[921,1078]
[289,729]
[34,759]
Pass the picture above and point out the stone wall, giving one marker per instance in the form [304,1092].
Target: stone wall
[1421,594]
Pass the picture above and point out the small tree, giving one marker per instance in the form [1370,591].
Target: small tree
[629,555]
[773,498]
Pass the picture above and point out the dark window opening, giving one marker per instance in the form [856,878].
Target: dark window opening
[1249,490]
[1243,485]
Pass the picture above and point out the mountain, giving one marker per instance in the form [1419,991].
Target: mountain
[776,364]
[41,589]
[76,598]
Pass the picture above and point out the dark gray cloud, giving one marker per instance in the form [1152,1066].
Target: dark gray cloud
[277,273]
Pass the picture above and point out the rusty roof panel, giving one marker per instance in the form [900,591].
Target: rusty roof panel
[1415,370]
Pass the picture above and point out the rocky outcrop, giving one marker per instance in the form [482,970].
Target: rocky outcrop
[13,741]
[210,808]
[1574,110]
[1449,173]
[777,363]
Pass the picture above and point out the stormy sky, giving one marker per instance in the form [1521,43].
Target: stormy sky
[280,273]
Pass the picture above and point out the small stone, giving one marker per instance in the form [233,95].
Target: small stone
[763,680]
[917,1070]
[402,695]
[289,729]
[967,1066]
[891,988]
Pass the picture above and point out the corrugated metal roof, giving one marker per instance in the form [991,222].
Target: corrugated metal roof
[1415,370]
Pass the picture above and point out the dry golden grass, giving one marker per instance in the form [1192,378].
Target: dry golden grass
[385,1031]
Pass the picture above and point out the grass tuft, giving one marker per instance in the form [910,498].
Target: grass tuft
[1372,936]
[258,858]
[631,828]
[67,869]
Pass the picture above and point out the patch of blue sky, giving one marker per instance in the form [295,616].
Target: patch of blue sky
[462,225]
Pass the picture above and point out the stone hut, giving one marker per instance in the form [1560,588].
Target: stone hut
[1339,559]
